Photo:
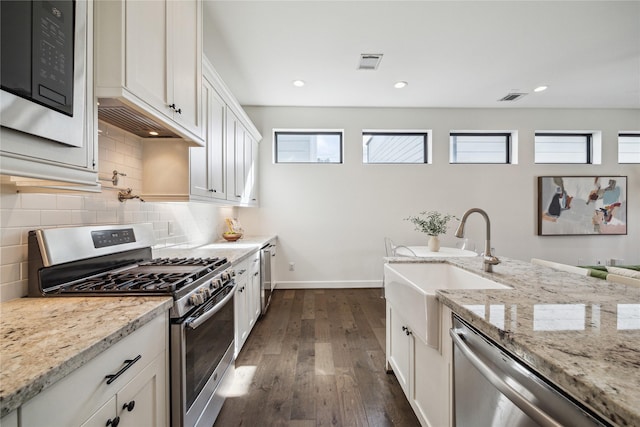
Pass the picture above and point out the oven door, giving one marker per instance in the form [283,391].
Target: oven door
[201,353]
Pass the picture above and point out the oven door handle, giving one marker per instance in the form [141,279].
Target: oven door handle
[193,324]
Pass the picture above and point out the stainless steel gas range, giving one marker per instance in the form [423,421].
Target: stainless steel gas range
[117,260]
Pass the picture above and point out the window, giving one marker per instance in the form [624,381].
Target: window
[394,147]
[480,147]
[629,148]
[308,147]
[563,148]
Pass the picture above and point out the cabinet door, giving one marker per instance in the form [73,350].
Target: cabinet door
[207,164]
[240,301]
[399,350]
[254,299]
[235,157]
[216,145]
[104,415]
[250,169]
[10,420]
[142,402]
[148,72]
[430,385]
[185,44]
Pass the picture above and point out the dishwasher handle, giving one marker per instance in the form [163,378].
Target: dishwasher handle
[518,399]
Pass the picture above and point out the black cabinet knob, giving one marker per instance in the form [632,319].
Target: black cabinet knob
[114,422]
[129,406]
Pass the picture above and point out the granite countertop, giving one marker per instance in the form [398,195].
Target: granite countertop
[580,332]
[233,251]
[45,339]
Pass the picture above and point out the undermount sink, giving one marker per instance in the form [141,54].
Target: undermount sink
[411,288]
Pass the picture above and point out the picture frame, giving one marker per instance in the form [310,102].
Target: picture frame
[582,205]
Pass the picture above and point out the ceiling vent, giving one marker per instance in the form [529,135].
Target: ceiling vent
[124,117]
[369,61]
[513,96]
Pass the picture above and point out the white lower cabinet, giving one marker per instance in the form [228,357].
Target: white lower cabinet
[241,306]
[247,298]
[137,396]
[424,373]
[255,307]
[10,420]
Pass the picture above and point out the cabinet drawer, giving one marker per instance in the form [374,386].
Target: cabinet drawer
[76,397]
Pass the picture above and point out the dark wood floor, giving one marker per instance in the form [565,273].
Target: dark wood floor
[317,359]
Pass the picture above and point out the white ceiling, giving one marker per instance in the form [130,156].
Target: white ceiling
[452,53]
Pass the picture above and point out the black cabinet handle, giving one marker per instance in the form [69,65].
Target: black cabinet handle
[128,363]
[114,422]
[172,106]
[129,406]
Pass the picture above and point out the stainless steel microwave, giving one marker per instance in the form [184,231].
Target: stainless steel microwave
[44,68]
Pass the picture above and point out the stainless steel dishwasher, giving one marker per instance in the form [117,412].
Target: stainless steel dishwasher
[493,389]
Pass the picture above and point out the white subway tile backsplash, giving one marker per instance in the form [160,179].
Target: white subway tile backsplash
[13,290]
[12,254]
[106,217]
[38,201]
[10,236]
[84,217]
[69,202]
[10,273]
[52,218]
[19,218]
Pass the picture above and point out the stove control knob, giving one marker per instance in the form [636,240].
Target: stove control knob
[216,284]
[206,293]
[194,300]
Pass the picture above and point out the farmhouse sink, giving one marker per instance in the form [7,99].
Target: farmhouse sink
[411,288]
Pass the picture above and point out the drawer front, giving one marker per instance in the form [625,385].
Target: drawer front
[76,397]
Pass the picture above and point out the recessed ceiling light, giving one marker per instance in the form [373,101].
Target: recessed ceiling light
[298,83]
[400,85]
[153,133]
[540,89]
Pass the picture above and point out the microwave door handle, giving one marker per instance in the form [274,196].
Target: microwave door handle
[193,324]
[518,399]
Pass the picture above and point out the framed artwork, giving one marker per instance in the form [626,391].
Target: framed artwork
[582,205]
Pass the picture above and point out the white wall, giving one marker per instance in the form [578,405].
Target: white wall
[25,210]
[331,219]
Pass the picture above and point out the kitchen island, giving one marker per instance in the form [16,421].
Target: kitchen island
[581,333]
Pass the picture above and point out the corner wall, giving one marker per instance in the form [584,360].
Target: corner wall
[331,219]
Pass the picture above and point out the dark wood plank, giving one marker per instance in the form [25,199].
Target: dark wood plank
[317,359]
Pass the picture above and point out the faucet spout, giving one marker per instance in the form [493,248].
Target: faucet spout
[488,259]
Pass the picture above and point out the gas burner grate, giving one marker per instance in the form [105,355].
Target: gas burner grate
[127,282]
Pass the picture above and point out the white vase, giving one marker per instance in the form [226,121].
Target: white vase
[434,243]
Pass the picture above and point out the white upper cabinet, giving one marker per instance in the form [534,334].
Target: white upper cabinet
[149,56]
[242,156]
[208,164]
[223,171]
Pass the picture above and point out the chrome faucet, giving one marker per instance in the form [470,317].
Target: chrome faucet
[488,260]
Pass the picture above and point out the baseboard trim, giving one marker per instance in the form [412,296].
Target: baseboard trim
[333,284]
